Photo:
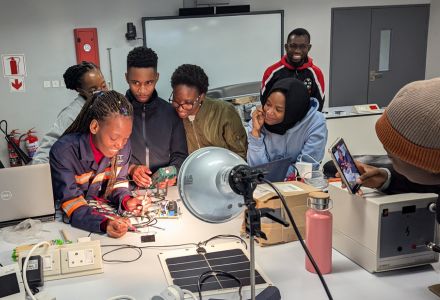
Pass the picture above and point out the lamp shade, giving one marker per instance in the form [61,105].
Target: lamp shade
[203,185]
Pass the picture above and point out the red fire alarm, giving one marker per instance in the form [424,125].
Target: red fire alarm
[86,45]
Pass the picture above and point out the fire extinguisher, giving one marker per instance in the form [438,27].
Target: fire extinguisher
[14,159]
[31,142]
[13,65]
[16,156]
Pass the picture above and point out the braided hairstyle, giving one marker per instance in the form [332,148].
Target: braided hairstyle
[74,74]
[101,106]
[190,75]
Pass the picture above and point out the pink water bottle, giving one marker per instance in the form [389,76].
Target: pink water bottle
[319,222]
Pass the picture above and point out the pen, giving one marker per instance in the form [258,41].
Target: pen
[130,226]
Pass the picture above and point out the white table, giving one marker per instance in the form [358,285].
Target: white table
[284,264]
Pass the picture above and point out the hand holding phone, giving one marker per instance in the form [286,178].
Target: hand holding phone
[345,165]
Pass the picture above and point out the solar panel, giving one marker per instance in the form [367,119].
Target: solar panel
[183,268]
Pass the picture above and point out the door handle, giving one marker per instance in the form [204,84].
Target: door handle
[375,75]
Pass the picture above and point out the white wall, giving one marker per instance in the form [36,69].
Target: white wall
[43,31]
[433,55]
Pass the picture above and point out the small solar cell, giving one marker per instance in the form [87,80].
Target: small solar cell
[185,270]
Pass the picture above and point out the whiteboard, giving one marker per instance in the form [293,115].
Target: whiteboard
[232,49]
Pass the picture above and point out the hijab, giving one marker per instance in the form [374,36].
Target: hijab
[296,107]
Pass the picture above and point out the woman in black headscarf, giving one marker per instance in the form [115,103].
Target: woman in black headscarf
[287,125]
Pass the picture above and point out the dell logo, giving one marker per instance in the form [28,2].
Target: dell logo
[6,195]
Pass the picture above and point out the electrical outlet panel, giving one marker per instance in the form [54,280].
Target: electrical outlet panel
[51,262]
[83,257]
[70,260]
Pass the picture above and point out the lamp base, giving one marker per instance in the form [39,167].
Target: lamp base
[269,293]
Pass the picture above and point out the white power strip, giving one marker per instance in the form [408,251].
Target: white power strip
[69,260]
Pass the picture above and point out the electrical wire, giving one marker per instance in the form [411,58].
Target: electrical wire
[188,292]
[25,265]
[139,249]
[224,236]
[214,273]
[122,297]
[300,238]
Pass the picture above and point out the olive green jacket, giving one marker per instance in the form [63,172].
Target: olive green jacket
[218,124]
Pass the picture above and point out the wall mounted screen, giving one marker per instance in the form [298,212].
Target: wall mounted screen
[231,49]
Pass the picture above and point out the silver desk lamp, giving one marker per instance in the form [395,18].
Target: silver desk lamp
[215,184]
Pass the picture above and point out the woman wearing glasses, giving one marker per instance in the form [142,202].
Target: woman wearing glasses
[208,122]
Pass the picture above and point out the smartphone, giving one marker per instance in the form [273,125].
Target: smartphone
[345,165]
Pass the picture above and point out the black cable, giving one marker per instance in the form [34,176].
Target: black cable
[214,273]
[295,228]
[224,236]
[1,265]
[139,248]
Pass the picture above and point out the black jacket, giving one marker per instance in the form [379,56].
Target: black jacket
[157,126]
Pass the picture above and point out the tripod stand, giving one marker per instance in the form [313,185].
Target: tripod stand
[243,181]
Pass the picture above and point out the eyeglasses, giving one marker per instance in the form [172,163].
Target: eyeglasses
[189,105]
[301,47]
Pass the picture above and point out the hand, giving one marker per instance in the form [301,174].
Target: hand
[141,175]
[167,182]
[117,228]
[257,121]
[371,177]
[134,205]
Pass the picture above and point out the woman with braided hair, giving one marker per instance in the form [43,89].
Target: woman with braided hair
[85,78]
[90,162]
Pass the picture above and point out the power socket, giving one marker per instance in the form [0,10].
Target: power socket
[70,260]
[81,258]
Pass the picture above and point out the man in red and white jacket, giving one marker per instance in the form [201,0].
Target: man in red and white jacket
[297,64]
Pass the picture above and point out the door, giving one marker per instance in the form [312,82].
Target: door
[375,51]
[398,50]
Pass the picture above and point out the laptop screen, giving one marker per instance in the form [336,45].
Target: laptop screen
[26,192]
[276,170]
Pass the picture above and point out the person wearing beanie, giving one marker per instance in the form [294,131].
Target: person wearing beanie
[288,125]
[409,131]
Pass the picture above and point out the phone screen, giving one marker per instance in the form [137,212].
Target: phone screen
[346,165]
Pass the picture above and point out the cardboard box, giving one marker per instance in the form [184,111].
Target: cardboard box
[296,194]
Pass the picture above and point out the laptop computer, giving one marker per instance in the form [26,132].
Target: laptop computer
[275,171]
[26,192]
